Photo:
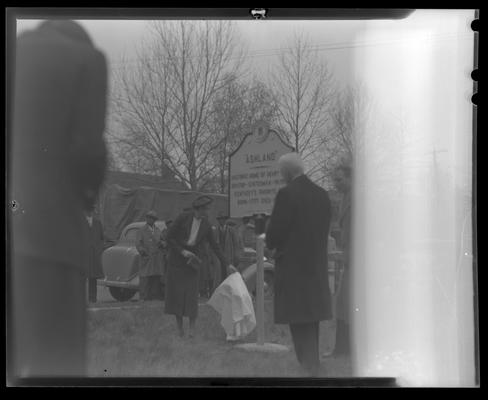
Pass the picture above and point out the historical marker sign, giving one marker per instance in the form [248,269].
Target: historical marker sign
[254,176]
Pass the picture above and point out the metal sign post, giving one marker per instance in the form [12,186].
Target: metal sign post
[261,345]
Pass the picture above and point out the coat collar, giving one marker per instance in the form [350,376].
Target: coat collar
[299,179]
[201,230]
[148,229]
[188,224]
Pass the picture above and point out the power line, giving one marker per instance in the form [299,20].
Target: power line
[316,48]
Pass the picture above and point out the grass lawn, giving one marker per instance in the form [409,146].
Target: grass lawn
[142,342]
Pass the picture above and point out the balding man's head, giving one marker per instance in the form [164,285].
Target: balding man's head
[291,166]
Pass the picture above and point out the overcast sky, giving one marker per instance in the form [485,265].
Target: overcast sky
[340,42]
[392,57]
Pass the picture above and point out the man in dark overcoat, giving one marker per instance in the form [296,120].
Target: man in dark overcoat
[149,244]
[96,247]
[164,238]
[343,180]
[186,239]
[57,163]
[298,230]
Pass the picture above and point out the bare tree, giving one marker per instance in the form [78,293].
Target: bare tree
[164,105]
[361,130]
[304,88]
[350,113]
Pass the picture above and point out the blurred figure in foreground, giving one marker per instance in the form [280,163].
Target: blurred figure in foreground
[342,179]
[97,245]
[58,161]
[298,232]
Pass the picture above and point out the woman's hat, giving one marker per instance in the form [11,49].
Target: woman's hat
[201,201]
[151,214]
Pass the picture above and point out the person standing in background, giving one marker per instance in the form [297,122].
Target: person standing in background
[164,240]
[214,269]
[247,232]
[298,231]
[149,244]
[57,166]
[97,245]
[343,179]
[229,240]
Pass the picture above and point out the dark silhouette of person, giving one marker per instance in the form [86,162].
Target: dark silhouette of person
[298,231]
[57,166]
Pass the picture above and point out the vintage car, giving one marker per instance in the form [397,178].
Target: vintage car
[121,263]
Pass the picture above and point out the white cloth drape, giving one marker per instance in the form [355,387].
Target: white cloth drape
[234,304]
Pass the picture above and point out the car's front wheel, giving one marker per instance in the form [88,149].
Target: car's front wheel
[122,294]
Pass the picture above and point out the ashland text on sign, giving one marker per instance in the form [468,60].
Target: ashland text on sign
[254,175]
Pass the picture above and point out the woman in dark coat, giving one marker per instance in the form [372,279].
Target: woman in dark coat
[186,240]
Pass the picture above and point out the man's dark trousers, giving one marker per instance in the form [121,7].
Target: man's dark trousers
[306,341]
[48,314]
[343,345]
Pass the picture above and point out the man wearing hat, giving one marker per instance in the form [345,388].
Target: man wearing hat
[149,244]
[247,232]
[186,239]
